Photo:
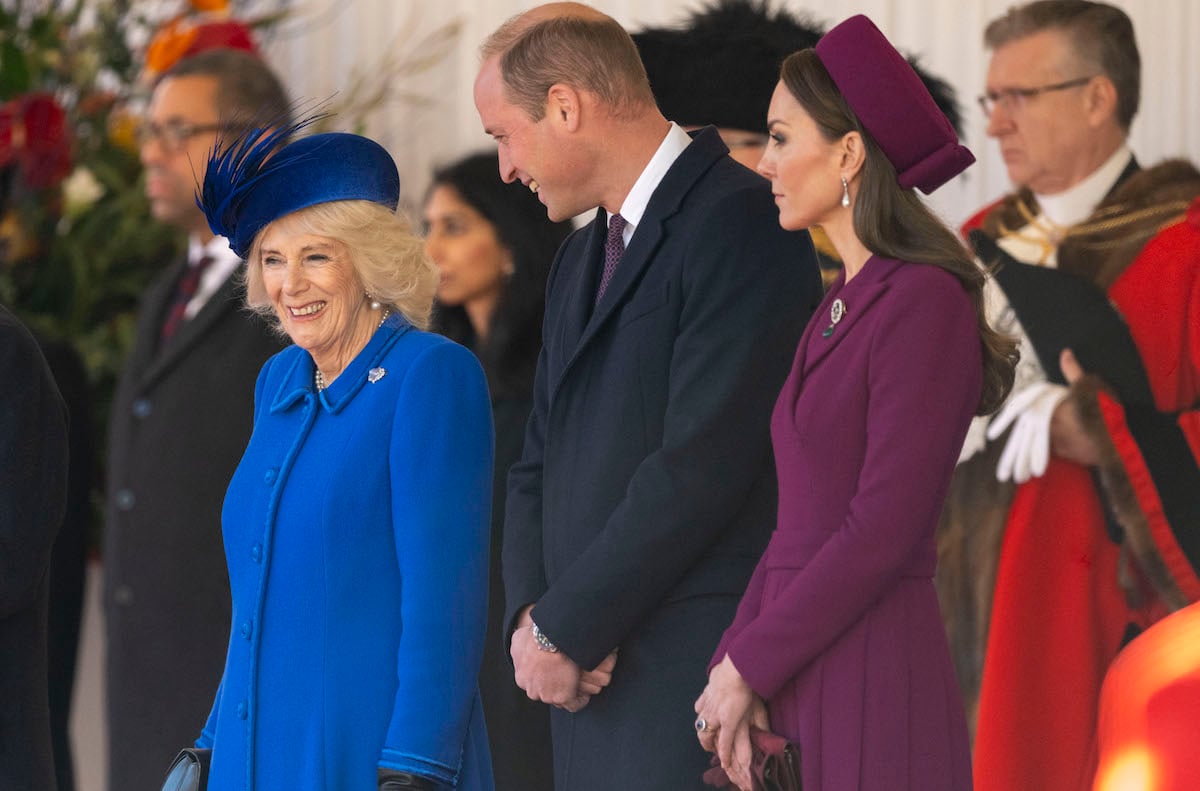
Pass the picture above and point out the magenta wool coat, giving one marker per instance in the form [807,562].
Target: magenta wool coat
[839,629]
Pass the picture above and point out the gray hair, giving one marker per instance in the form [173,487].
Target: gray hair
[1101,37]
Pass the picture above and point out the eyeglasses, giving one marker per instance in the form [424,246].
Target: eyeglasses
[1014,99]
[174,135]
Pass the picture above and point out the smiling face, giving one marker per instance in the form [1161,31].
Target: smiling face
[1046,140]
[312,285]
[804,167]
[463,244]
[533,152]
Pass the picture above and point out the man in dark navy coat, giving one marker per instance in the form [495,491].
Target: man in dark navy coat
[646,491]
[33,497]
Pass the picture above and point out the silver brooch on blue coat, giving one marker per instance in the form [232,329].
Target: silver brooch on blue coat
[836,312]
[375,374]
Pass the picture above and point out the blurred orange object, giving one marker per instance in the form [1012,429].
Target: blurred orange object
[210,5]
[1150,710]
[185,36]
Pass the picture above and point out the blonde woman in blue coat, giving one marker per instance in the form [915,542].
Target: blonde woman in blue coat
[356,526]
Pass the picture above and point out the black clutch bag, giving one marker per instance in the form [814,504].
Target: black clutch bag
[774,764]
[189,771]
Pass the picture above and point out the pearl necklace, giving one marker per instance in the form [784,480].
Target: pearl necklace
[319,378]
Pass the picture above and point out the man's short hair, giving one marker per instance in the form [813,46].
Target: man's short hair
[1101,37]
[590,54]
[247,89]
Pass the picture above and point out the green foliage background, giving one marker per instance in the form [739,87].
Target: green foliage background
[76,273]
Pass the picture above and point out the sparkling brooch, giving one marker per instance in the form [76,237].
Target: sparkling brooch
[375,374]
[836,312]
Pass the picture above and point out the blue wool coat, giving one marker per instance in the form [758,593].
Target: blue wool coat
[356,532]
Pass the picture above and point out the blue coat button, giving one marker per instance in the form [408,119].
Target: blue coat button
[242,710]
[142,408]
[246,629]
[125,500]
[256,553]
[270,476]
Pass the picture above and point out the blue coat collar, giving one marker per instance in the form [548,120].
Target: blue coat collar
[298,381]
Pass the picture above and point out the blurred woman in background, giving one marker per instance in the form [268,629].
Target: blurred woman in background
[493,245]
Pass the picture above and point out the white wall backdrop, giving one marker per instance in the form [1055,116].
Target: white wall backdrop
[431,119]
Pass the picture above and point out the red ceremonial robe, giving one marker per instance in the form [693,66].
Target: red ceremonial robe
[1066,595]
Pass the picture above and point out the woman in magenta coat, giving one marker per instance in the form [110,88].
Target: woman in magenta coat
[838,642]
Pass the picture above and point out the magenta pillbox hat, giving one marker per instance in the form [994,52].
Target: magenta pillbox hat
[893,105]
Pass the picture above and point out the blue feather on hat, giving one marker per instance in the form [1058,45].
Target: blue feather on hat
[259,177]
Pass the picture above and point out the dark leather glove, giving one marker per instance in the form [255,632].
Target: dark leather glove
[391,780]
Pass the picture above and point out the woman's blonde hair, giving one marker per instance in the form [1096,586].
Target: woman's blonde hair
[387,256]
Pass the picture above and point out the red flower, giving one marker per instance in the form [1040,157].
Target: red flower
[214,35]
[33,134]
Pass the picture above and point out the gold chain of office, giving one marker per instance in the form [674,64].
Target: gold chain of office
[1104,222]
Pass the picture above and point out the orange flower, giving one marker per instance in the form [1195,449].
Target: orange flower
[122,129]
[169,45]
[182,37]
[210,5]
[15,243]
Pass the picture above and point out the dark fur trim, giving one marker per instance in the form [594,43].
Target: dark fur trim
[970,533]
[1122,501]
[1139,208]
[1005,217]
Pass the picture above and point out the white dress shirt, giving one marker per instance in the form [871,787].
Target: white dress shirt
[224,263]
[634,206]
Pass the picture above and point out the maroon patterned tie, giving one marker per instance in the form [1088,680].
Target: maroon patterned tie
[614,248]
[184,291]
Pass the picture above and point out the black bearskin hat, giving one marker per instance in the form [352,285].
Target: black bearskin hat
[721,67]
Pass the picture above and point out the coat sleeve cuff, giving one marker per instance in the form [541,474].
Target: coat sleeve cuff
[758,675]
[403,762]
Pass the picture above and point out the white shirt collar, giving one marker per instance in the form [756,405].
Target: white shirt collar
[225,263]
[1077,203]
[217,248]
[634,207]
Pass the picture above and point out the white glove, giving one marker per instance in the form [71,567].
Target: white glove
[1028,450]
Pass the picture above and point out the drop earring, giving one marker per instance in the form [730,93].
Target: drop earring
[375,304]
[845,193]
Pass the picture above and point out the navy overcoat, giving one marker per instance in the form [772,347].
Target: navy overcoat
[646,490]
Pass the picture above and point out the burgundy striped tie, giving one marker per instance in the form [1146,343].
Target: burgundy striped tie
[184,291]
[614,248]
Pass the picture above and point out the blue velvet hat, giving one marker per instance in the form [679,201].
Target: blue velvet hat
[253,181]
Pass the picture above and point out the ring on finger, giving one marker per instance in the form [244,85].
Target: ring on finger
[702,725]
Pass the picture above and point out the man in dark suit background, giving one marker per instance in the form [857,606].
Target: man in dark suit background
[646,491]
[180,420]
[33,495]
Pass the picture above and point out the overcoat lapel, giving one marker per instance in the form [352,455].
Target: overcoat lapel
[151,312]
[641,250]
[227,298]
[666,201]
[867,287]
[582,288]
